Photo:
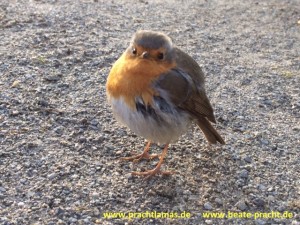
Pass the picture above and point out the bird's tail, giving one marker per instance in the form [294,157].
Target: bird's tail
[209,131]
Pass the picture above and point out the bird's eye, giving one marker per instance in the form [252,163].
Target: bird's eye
[134,51]
[160,56]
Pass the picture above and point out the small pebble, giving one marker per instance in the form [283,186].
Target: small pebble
[16,83]
[84,121]
[208,221]
[264,142]
[260,222]
[95,195]
[82,140]
[248,159]
[270,189]
[97,221]
[59,211]
[32,144]
[86,220]
[43,103]
[21,204]
[110,147]
[261,187]
[14,113]
[187,192]
[193,198]
[61,222]
[72,220]
[271,198]
[241,205]
[281,208]
[246,81]
[30,193]
[51,176]
[52,78]
[58,130]
[244,174]
[119,152]
[94,122]
[259,202]
[208,206]
[96,212]
[75,176]
[219,201]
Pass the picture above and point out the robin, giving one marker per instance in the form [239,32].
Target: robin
[158,91]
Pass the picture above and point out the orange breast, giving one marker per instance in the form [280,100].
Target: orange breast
[131,77]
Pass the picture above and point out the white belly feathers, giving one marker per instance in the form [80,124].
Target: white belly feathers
[159,123]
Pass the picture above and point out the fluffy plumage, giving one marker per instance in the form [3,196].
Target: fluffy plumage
[157,90]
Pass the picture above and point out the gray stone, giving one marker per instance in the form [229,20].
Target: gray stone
[260,222]
[248,159]
[244,173]
[259,202]
[219,201]
[207,206]
[241,205]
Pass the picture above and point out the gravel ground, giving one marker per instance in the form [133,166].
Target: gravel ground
[60,144]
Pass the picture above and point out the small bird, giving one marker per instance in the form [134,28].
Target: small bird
[158,91]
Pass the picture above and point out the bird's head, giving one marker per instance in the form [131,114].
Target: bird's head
[150,45]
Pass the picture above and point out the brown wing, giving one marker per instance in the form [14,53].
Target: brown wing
[198,103]
[184,87]
[179,88]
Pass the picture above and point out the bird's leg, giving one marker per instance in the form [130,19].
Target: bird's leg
[143,155]
[156,170]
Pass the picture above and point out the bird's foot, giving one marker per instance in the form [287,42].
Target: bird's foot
[149,173]
[138,157]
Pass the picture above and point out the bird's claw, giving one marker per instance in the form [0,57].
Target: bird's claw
[144,155]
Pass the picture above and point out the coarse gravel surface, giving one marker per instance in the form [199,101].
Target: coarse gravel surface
[60,145]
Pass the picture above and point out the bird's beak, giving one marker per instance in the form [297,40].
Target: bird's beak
[145,55]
